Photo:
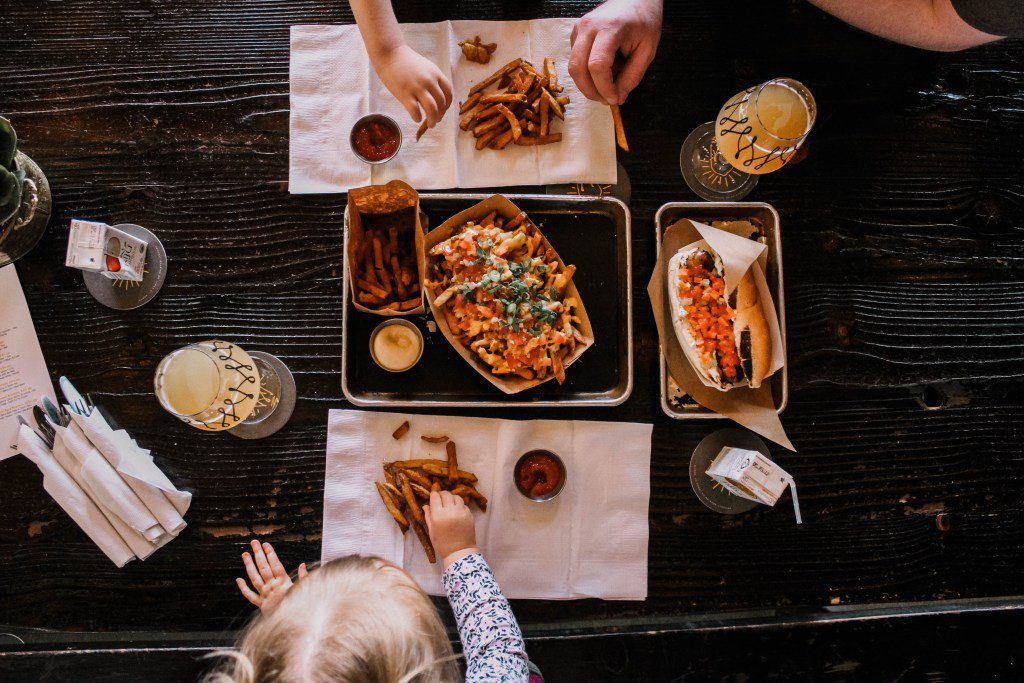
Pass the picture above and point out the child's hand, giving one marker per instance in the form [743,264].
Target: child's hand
[416,82]
[450,525]
[267,575]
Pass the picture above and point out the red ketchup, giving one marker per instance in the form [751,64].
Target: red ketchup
[375,140]
[538,474]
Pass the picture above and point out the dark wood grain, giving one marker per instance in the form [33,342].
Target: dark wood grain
[903,239]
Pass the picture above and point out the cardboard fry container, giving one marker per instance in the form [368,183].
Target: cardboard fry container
[510,384]
[395,205]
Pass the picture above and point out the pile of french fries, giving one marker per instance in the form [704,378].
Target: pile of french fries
[408,482]
[386,275]
[522,114]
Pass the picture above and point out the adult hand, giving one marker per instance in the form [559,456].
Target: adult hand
[450,525]
[267,574]
[632,27]
[416,82]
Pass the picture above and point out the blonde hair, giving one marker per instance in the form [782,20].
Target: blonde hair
[357,618]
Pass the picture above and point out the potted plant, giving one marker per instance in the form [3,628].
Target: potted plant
[24,198]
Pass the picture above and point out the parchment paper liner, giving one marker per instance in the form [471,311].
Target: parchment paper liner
[510,384]
[752,408]
[380,200]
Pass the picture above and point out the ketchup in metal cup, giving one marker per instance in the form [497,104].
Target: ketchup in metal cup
[539,474]
[375,140]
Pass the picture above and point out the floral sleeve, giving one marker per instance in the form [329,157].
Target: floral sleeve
[491,639]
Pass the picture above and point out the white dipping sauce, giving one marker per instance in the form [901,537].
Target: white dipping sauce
[396,347]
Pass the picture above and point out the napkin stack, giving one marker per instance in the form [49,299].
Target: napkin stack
[109,485]
[589,542]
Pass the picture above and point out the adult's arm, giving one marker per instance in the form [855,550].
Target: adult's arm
[928,24]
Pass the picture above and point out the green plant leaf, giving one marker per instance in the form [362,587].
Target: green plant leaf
[8,144]
[10,195]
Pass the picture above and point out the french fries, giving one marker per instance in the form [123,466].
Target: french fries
[408,482]
[402,430]
[620,132]
[386,271]
[521,114]
[453,463]
[434,439]
[503,294]
[403,523]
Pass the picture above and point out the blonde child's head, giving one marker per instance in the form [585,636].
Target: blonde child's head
[354,619]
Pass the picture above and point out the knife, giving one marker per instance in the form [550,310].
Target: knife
[53,412]
[74,397]
[44,425]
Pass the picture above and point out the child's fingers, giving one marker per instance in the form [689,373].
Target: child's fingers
[248,592]
[261,560]
[413,107]
[440,98]
[274,562]
[446,88]
[429,106]
[447,499]
[303,572]
[427,511]
[252,571]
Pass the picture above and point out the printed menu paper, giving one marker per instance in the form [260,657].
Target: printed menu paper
[23,375]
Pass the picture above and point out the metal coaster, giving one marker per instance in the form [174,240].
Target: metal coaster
[707,173]
[621,190]
[122,294]
[285,405]
[709,491]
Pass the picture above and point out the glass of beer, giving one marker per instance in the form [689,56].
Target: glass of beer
[757,131]
[215,385]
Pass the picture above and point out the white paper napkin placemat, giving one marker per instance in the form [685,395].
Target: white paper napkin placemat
[589,542]
[333,84]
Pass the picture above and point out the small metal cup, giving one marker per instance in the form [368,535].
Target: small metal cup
[370,118]
[388,323]
[561,472]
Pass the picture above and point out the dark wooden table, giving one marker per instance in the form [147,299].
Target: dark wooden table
[903,237]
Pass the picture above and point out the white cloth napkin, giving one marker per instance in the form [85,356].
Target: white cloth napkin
[74,500]
[591,541]
[333,84]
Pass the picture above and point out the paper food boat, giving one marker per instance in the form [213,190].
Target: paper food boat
[508,384]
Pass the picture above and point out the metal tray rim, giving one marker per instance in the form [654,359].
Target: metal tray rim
[582,403]
[780,305]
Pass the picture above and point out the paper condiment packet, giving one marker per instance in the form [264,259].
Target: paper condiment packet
[750,475]
[100,248]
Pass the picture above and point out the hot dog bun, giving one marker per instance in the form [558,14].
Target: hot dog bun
[752,331]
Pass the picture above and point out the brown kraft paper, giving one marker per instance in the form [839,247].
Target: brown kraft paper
[752,408]
[381,203]
[508,384]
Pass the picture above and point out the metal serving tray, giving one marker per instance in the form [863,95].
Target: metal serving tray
[591,232]
[674,401]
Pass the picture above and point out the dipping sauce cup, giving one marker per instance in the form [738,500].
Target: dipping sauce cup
[396,345]
[539,475]
[375,138]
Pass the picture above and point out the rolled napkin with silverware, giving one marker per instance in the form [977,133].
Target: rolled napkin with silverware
[112,492]
[79,506]
[136,467]
[102,478]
